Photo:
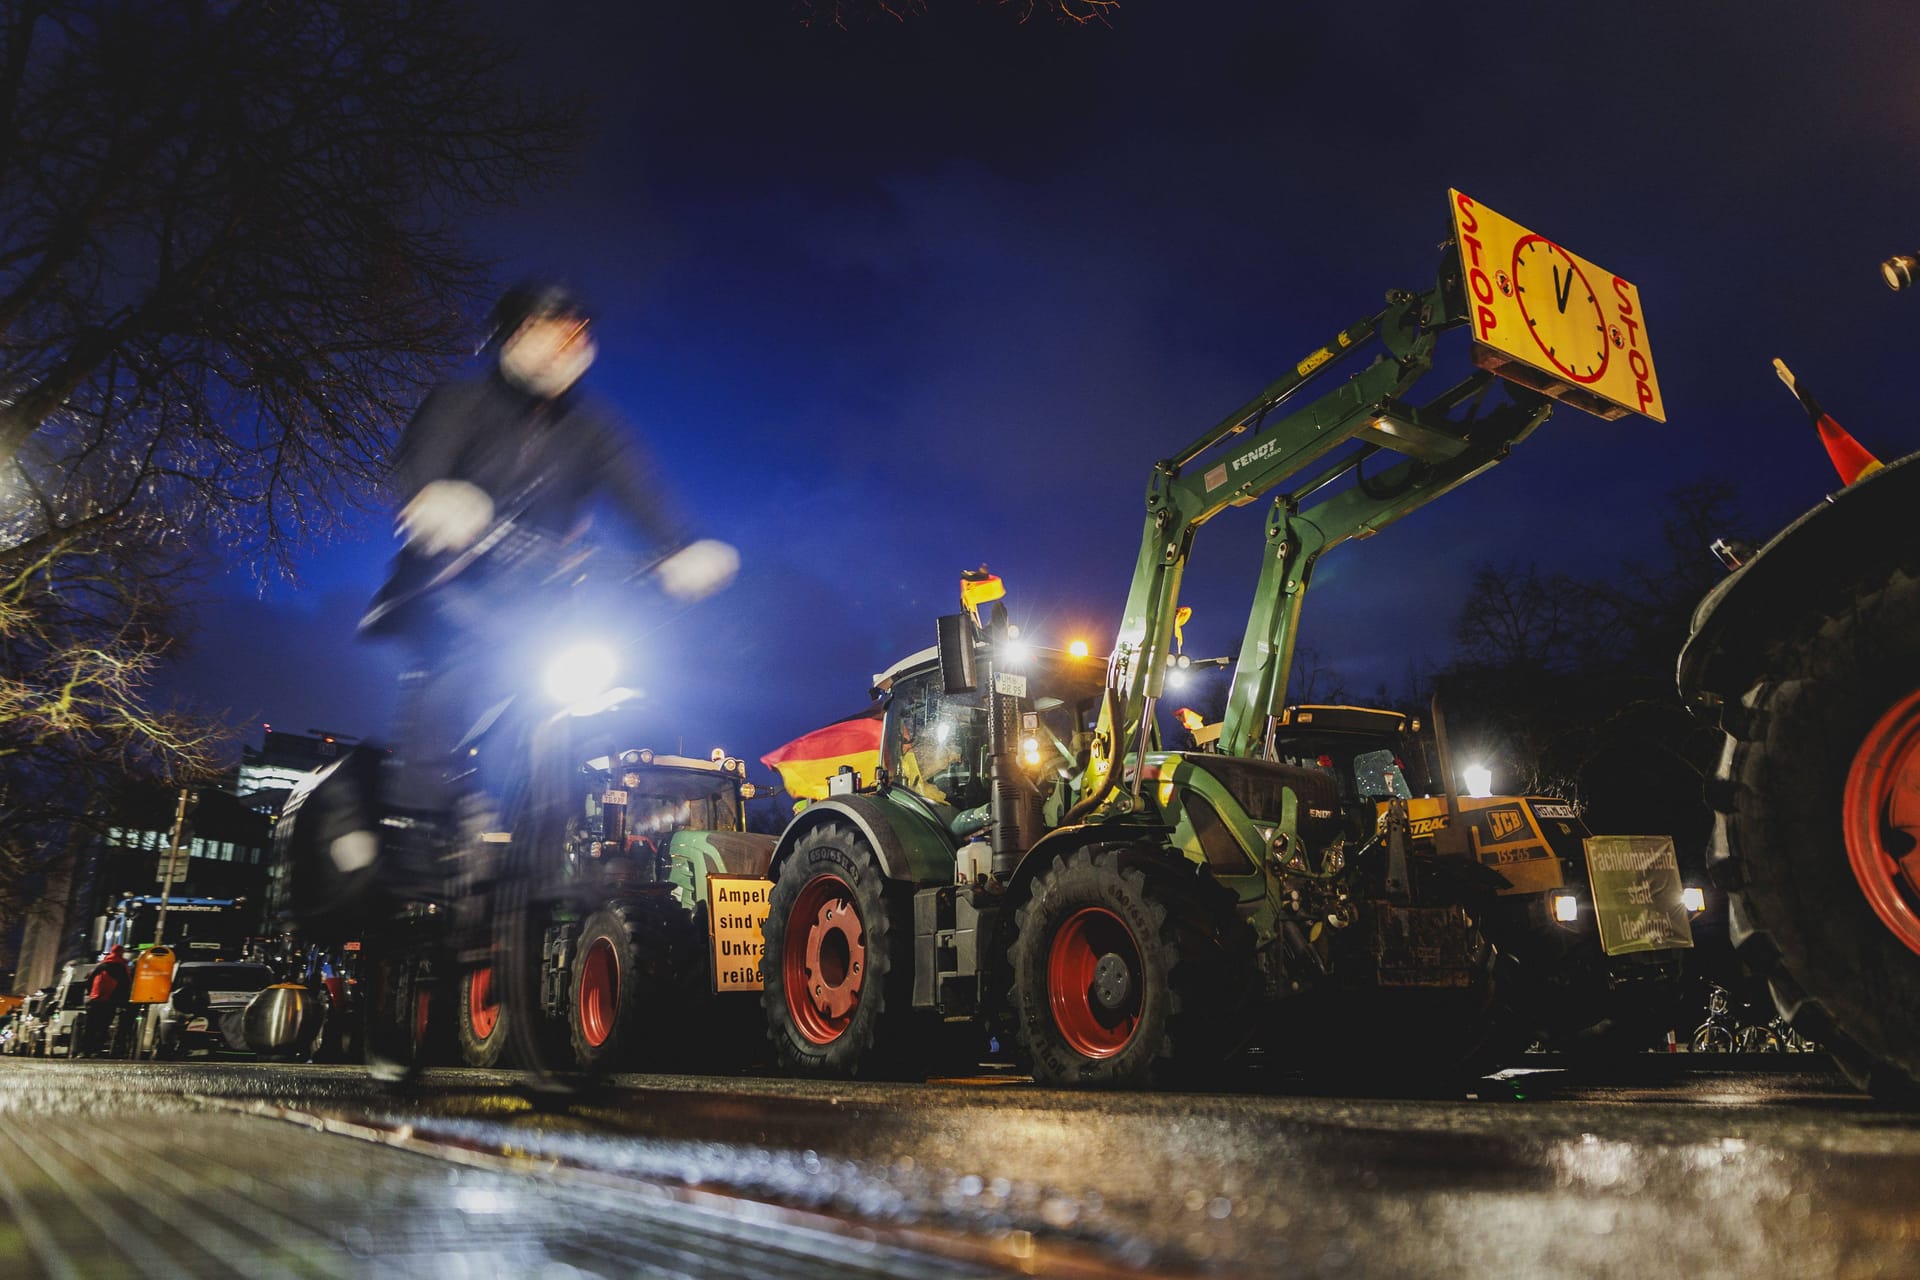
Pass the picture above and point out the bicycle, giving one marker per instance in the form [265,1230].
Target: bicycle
[1718,1033]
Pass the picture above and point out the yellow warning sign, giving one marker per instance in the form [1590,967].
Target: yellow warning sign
[736,914]
[1547,318]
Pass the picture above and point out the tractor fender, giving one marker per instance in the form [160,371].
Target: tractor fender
[910,847]
[1804,574]
[1059,843]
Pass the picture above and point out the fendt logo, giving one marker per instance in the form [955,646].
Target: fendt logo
[1252,456]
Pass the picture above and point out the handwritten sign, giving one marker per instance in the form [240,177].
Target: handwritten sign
[736,915]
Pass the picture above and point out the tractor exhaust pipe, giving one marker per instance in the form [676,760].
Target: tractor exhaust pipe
[1452,839]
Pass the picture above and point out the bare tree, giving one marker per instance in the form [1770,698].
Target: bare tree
[227,241]
[229,268]
[1314,679]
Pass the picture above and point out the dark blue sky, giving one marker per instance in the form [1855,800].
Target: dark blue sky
[892,302]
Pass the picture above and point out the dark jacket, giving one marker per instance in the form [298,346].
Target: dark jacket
[540,460]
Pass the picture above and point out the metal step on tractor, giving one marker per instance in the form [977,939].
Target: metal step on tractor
[1029,864]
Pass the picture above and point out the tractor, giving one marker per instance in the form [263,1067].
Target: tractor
[1584,965]
[1807,657]
[659,838]
[1028,863]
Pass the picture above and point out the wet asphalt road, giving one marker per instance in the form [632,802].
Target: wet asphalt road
[1657,1170]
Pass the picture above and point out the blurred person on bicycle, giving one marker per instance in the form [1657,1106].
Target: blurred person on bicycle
[495,474]
[520,445]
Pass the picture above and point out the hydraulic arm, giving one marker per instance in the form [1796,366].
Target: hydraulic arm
[1428,451]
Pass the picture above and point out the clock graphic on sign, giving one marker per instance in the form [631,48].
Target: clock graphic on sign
[1562,312]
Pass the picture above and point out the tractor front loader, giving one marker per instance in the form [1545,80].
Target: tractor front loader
[1029,863]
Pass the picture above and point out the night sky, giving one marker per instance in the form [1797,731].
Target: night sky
[892,302]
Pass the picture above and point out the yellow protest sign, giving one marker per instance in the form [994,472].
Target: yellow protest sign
[1547,318]
[736,914]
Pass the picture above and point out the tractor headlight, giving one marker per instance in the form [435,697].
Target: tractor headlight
[1694,899]
[579,674]
[1566,908]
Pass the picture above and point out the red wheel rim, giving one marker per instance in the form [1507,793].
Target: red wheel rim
[823,960]
[1089,1025]
[483,1011]
[599,992]
[1882,819]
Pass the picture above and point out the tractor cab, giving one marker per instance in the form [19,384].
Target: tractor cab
[938,744]
[1371,755]
[640,800]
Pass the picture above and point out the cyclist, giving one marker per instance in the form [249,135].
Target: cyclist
[493,472]
[517,441]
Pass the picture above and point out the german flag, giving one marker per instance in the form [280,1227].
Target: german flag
[809,760]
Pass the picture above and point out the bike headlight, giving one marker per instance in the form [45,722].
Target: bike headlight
[579,674]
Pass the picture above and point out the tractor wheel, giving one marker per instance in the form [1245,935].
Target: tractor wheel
[631,977]
[835,994]
[1819,814]
[1118,980]
[407,1018]
[482,1020]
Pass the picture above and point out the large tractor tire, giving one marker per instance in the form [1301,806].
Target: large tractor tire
[1818,796]
[402,1016]
[1121,973]
[482,1021]
[837,966]
[634,970]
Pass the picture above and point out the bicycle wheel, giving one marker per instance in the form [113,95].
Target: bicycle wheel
[1712,1038]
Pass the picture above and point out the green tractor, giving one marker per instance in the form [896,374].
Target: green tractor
[1029,863]
[652,965]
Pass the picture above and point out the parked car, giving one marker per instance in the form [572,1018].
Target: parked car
[206,1007]
[30,1024]
[58,1040]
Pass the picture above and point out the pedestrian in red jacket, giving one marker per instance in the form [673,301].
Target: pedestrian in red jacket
[108,987]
